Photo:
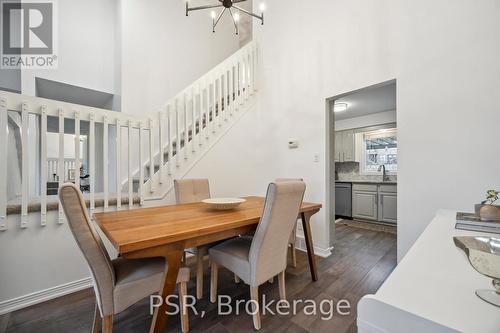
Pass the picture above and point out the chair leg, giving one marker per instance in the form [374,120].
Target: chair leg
[184,309]
[281,283]
[184,258]
[294,255]
[97,325]
[254,295]
[213,282]
[200,254]
[236,279]
[107,324]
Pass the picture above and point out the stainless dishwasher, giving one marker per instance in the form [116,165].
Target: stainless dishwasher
[343,199]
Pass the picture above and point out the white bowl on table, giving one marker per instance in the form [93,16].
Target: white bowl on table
[223,203]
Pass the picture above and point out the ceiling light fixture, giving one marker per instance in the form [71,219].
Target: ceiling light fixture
[340,107]
[227,5]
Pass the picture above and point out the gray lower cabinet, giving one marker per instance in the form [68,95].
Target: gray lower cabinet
[387,204]
[374,202]
[365,202]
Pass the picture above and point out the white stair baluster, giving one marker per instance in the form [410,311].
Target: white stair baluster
[105,161]
[199,112]
[225,94]
[141,164]
[77,148]
[43,166]
[130,166]
[177,133]
[3,163]
[25,165]
[92,162]
[214,101]
[151,155]
[162,144]
[118,164]
[186,128]
[230,90]
[193,119]
[206,107]
[219,99]
[170,139]
[60,161]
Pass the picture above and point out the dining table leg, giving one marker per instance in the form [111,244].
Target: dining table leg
[173,259]
[309,244]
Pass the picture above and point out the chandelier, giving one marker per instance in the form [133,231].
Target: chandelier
[227,6]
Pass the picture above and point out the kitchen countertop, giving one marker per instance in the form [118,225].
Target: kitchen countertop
[367,182]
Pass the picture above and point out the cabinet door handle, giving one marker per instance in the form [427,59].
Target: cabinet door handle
[343,157]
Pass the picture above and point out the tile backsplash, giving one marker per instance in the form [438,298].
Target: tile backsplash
[348,171]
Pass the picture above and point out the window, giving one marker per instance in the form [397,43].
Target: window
[379,148]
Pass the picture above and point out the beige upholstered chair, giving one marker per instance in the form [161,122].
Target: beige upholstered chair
[190,191]
[256,259]
[118,283]
[293,236]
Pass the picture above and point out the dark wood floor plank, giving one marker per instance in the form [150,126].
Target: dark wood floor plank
[361,261]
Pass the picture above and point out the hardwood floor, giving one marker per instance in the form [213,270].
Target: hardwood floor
[361,261]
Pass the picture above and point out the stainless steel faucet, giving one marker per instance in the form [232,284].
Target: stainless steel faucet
[385,177]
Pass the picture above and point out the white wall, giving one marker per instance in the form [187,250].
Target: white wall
[444,55]
[86,47]
[164,51]
[373,119]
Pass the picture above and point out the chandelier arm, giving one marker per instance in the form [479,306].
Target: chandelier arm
[236,1]
[218,19]
[190,9]
[234,21]
[250,13]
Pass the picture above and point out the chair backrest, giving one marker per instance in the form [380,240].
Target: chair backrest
[90,244]
[191,190]
[268,253]
[284,180]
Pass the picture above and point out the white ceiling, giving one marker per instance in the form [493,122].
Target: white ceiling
[367,101]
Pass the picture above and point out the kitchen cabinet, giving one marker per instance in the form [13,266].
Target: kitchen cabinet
[365,202]
[374,202]
[344,146]
[387,204]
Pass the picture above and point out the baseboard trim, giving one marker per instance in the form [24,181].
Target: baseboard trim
[44,295]
[319,251]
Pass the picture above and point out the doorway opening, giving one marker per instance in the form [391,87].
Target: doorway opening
[362,158]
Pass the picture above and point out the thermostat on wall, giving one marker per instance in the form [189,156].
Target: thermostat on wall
[293,143]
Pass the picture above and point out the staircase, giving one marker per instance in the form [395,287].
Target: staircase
[158,147]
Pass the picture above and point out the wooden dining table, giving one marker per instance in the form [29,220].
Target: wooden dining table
[166,231]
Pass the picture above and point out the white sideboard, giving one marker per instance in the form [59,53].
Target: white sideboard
[431,290]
